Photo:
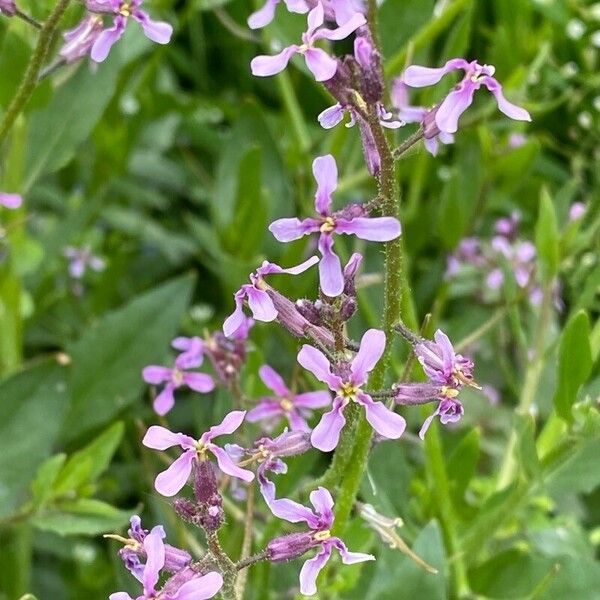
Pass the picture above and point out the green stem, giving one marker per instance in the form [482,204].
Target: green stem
[33,69]
[29,20]
[293,107]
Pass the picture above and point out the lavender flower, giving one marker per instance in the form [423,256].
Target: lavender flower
[8,8]
[10,200]
[521,257]
[169,482]
[294,407]
[459,99]
[320,522]
[157,31]
[576,211]
[449,410]
[347,383]
[419,114]
[80,259]
[179,375]
[322,66]
[79,41]
[259,301]
[264,15]
[196,588]
[352,220]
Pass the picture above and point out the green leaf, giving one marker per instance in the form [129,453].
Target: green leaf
[462,464]
[546,237]
[528,457]
[82,517]
[41,487]
[574,363]
[32,407]
[109,357]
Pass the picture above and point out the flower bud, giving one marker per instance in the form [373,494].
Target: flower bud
[288,547]
[309,311]
[369,59]
[185,509]
[430,127]
[8,7]
[416,393]
[370,150]
[349,307]
[205,481]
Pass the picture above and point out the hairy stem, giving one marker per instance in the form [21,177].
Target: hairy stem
[33,69]
[29,20]
[242,577]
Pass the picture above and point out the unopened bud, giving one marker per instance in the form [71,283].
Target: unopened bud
[370,150]
[288,547]
[369,59]
[8,7]
[205,481]
[416,393]
[349,306]
[185,509]
[309,311]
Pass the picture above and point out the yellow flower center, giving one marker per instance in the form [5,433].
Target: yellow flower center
[286,405]
[177,377]
[449,392]
[328,225]
[349,391]
[321,536]
[201,450]
[125,10]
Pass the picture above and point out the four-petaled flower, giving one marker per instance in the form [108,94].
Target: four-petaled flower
[80,259]
[294,407]
[347,384]
[461,97]
[352,220]
[197,588]
[179,376]
[169,482]
[259,302]
[10,200]
[322,66]
[320,522]
[157,31]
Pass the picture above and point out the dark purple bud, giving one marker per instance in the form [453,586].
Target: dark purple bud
[309,311]
[352,211]
[350,271]
[340,85]
[205,481]
[370,151]
[369,60]
[186,509]
[288,547]
[8,7]
[348,309]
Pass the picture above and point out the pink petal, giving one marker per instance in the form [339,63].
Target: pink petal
[228,466]
[372,346]
[311,569]
[320,64]
[316,362]
[261,305]
[264,66]
[341,33]
[313,260]
[160,438]
[263,16]
[287,230]
[267,409]
[165,401]
[431,145]
[155,375]
[106,39]
[199,382]
[236,319]
[297,421]
[200,588]
[384,421]
[416,76]
[273,381]
[169,482]
[330,268]
[292,511]
[155,557]
[453,106]
[120,596]
[374,229]
[10,200]
[331,116]
[326,434]
[316,17]
[228,425]
[326,175]
[312,400]
[508,108]
[323,503]
[157,31]
[426,425]
[350,558]
[495,279]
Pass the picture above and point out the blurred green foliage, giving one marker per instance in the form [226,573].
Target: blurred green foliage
[169,162]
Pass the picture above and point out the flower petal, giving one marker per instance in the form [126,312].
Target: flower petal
[454,105]
[384,421]
[165,401]
[326,175]
[331,116]
[267,409]
[320,64]
[312,400]
[155,374]
[326,434]
[323,502]
[228,425]
[155,557]
[273,380]
[374,229]
[200,588]
[169,482]
[287,230]
[261,305]
[264,66]
[236,319]
[315,19]
[311,569]
[341,33]
[10,200]
[157,31]
[297,421]
[106,39]
[292,511]
[372,346]
[350,558]
[316,362]
[508,108]
[120,596]
[228,466]
[263,16]
[160,438]
[417,76]
[331,277]
[199,382]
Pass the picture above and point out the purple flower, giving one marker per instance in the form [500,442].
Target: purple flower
[516,140]
[576,211]
[442,364]
[459,99]
[322,66]
[156,31]
[264,15]
[179,376]
[320,522]
[508,226]
[80,259]
[79,41]
[347,386]
[294,407]
[8,7]
[352,220]
[449,410]
[169,482]
[259,301]
[520,255]
[10,200]
[419,114]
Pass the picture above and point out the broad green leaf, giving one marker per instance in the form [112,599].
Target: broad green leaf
[546,237]
[81,517]
[109,357]
[462,463]
[574,363]
[32,408]
[41,487]
[527,452]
